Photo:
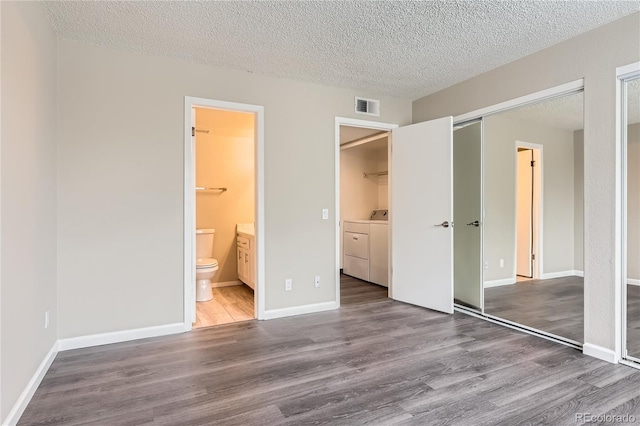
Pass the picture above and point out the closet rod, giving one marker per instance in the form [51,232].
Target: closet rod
[384,173]
[202,188]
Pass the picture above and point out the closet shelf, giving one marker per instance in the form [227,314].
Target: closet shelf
[383,173]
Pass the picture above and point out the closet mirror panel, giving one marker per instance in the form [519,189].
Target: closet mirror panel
[632,99]
[467,214]
[533,225]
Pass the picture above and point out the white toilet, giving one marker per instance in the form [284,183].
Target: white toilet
[206,265]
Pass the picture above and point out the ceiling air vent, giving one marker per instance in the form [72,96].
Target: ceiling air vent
[367,106]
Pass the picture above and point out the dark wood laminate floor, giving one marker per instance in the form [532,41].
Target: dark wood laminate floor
[555,306]
[374,361]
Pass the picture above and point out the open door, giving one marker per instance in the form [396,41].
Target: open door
[524,213]
[422,214]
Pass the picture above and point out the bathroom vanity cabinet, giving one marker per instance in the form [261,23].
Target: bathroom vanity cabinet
[246,256]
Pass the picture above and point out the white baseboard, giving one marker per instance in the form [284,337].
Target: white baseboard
[299,310]
[498,283]
[119,336]
[599,352]
[632,281]
[562,274]
[26,395]
[226,284]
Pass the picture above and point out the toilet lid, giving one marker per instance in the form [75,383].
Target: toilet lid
[206,262]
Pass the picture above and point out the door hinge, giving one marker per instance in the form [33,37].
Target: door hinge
[193,131]
[533,257]
[533,163]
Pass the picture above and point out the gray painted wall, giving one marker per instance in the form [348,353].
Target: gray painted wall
[28,196]
[593,56]
[121,173]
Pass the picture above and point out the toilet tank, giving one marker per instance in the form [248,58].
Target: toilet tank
[204,242]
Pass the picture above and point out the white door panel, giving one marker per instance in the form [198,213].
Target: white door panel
[421,197]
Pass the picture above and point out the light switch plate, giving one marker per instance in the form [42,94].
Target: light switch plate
[325,214]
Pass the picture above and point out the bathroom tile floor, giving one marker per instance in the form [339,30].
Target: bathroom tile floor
[229,304]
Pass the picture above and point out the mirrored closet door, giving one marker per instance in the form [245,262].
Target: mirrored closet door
[467,214]
[631,149]
[533,225]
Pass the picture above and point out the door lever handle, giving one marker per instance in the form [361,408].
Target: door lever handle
[476,224]
[444,224]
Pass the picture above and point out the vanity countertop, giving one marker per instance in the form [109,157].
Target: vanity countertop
[246,229]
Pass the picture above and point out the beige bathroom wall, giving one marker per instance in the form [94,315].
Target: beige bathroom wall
[28,187]
[633,202]
[120,154]
[593,56]
[225,158]
[500,136]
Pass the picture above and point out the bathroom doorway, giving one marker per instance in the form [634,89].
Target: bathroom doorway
[224,256]
[528,213]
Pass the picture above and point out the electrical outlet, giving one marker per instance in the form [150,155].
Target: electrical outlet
[502,263]
[317,281]
[486,264]
[288,284]
[46,320]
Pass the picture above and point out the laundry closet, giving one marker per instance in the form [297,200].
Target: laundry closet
[364,203]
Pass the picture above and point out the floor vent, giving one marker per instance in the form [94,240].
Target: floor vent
[367,106]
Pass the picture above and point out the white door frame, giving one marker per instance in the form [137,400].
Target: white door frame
[537,208]
[353,122]
[190,203]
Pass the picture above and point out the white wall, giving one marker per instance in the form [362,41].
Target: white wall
[593,56]
[120,209]
[500,136]
[225,158]
[28,195]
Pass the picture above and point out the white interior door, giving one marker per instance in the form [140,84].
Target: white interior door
[422,214]
[524,213]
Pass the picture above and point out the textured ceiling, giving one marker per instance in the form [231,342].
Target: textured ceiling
[406,49]
[565,113]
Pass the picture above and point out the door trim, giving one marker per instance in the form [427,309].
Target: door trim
[190,203]
[537,208]
[343,121]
